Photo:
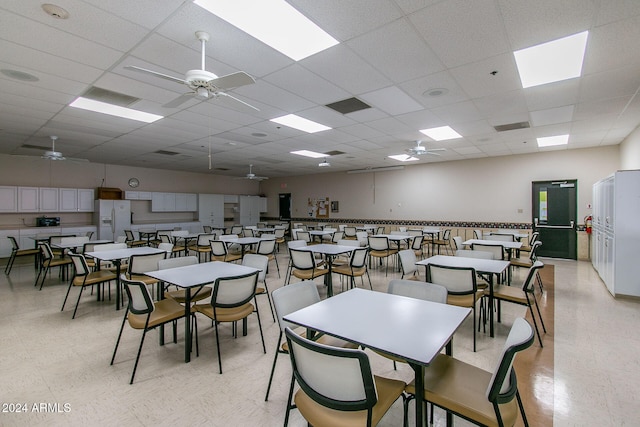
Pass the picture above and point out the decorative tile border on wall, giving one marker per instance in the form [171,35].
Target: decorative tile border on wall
[415,223]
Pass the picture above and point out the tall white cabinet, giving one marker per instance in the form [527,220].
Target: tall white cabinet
[211,209]
[250,208]
[616,232]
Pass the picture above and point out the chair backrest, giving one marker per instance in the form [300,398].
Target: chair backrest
[74,240]
[496,250]
[56,240]
[167,247]
[447,235]
[350,231]
[182,261]
[503,385]
[420,290]
[408,261]
[361,236]
[248,232]
[457,280]
[257,261]
[348,242]
[457,240]
[279,232]
[140,301]
[398,233]
[358,258]
[337,236]
[231,292]
[294,297]
[129,234]
[164,238]
[302,260]
[180,233]
[303,227]
[303,235]
[529,281]
[416,243]
[207,229]
[79,264]
[46,253]
[140,264]
[380,230]
[294,233]
[533,255]
[261,225]
[402,229]
[336,378]
[218,248]
[413,232]
[109,247]
[91,247]
[474,254]
[291,244]
[500,237]
[534,237]
[204,239]
[378,243]
[477,234]
[266,247]
[236,229]
[14,243]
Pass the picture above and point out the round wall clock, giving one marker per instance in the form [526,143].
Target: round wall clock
[133,182]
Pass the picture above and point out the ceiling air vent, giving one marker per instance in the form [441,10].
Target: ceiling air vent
[334,153]
[348,105]
[109,96]
[35,147]
[222,169]
[512,126]
[166,153]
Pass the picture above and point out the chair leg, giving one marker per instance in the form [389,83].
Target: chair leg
[521,406]
[218,347]
[115,350]
[273,366]
[77,303]
[44,276]
[290,405]
[135,365]
[7,269]
[67,295]
[474,327]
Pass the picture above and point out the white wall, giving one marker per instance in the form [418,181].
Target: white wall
[630,151]
[496,189]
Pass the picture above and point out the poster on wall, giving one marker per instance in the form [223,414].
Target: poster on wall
[318,208]
[335,206]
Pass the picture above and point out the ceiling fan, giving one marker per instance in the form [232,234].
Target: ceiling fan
[203,84]
[53,154]
[252,176]
[419,150]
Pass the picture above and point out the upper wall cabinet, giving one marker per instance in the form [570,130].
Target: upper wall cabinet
[8,199]
[76,200]
[174,202]
[34,199]
[137,195]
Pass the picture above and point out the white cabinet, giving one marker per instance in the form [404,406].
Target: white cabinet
[263,204]
[174,202]
[180,202]
[231,198]
[249,209]
[34,199]
[138,195]
[192,202]
[616,232]
[76,200]
[48,199]
[8,199]
[211,209]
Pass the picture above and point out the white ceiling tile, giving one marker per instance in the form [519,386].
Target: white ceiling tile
[610,84]
[306,84]
[487,76]
[623,35]
[552,116]
[391,100]
[458,113]
[553,95]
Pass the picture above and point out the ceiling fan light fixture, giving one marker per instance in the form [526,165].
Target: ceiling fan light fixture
[324,164]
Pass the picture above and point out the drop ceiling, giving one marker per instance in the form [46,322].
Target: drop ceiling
[418,64]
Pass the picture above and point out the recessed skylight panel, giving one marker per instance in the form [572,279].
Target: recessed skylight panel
[308,153]
[300,123]
[553,61]
[441,133]
[403,158]
[275,23]
[114,110]
[551,141]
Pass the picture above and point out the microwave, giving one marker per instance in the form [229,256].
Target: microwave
[44,221]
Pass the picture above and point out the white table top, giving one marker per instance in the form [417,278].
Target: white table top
[515,233]
[79,244]
[122,253]
[507,245]
[200,274]
[395,237]
[320,232]
[491,266]
[410,328]
[328,249]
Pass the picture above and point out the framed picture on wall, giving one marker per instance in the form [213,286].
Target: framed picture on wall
[335,207]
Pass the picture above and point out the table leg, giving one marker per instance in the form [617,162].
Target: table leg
[187,325]
[118,284]
[419,385]
[491,334]
[329,279]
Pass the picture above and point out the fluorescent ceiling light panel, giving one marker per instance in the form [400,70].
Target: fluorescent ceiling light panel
[273,22]
[553,61]
[403,158]
[550,141]
[300,123]
[308,153]
[114,110]
[441,133]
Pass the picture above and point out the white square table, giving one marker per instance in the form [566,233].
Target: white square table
[116,256]
[485,266]
[330,252]
[409,328]
[193,276]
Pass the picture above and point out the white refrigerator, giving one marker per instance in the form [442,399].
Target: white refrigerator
[112,217]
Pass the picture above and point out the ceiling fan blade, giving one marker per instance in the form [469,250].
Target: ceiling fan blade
[155,73]
[233,80]
[239,100]
[431,150]
[179,100]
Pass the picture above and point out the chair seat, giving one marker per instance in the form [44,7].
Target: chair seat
[509,293]
[179,295]
[143,278]
[309,274]
[467,300]
[22,252]
[226,314]
[383,253]
[164,311]
[388,392]
[521,262]
[460,387]
[94,277]
[55,262]
[226,258]
[348,271]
